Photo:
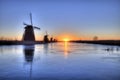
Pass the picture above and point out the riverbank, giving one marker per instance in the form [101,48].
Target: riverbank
[102,42]
[20,42]
[17,42]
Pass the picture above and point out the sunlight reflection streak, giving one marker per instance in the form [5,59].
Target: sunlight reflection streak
[65,49]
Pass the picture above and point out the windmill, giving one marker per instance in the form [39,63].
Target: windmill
[46,40]
[29,31]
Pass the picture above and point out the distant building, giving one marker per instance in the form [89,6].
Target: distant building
[95,38]
[51,39]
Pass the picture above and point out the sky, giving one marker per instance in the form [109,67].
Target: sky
[72,19]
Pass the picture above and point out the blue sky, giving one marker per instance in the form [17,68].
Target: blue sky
[81,18]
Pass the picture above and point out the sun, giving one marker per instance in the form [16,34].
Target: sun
[66,39]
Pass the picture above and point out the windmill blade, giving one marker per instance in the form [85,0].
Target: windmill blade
[24,23]
[36,27]
[31,19]
[46,33]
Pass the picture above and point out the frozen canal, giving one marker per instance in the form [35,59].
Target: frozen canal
[60,61]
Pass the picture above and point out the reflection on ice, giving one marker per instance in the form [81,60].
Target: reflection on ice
[29,56]
[60,61]
[66,49]
[46,48]
[29,53]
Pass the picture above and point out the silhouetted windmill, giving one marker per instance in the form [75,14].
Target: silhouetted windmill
[95,38]
[29,31]
[46,40]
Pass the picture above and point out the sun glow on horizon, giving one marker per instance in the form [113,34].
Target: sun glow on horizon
[66,39]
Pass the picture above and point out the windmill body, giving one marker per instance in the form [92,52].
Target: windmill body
[29,33]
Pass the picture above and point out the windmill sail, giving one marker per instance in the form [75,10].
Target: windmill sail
[31,19]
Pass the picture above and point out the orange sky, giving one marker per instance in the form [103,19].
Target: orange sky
[61,37]
[69,36]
